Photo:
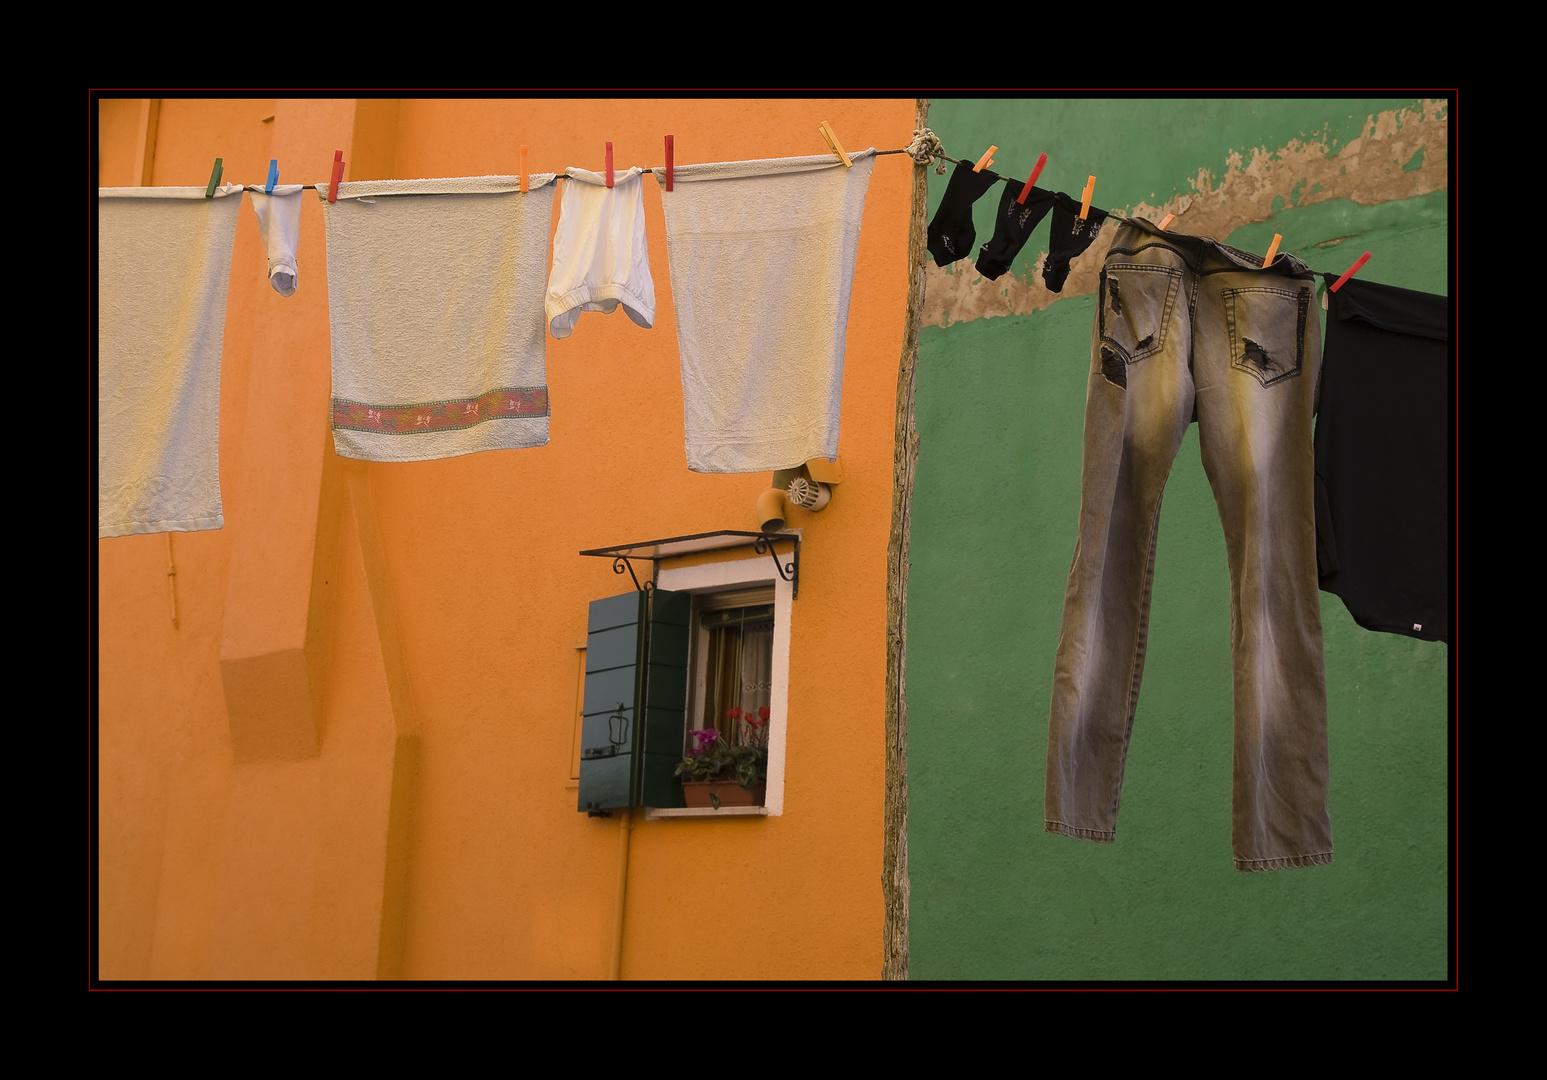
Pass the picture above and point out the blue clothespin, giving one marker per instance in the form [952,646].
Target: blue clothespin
[214,179]
[268,189]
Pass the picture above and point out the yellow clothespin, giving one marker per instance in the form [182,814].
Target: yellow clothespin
[832,140]
[1272,251]
[523,167]
[1165,222]
[1090,190]
[986,160]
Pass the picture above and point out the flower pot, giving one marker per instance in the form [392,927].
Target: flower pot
[721,793]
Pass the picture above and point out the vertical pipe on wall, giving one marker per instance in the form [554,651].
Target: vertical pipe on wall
[172,580]
[625,829]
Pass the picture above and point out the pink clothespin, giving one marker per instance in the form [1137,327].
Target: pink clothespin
[1032,179]
[609,164]
[1272,251]
[669,154]
[523,167]
[1350,272]
[1086,196]
[338,175]
[986,160]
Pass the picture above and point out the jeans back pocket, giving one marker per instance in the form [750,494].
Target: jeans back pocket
[1267,330]
[1136,306]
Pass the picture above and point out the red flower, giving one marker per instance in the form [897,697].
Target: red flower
[734,714]
[762,712]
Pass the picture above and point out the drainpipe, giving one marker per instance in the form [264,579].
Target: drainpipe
[625,827]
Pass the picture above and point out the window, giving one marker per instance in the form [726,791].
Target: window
[732,663]
[707,640]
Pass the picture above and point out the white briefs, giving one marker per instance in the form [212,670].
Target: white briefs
[600,258]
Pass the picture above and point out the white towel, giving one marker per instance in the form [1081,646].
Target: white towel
[600,258]
[279,226]
[435,299]
[163,267]
[762,262]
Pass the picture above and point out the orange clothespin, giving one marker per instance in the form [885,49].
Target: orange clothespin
[1350,272]
[832,140]
[1032,179]
[670,148]
[1165,222]
[609,164]
[1086,196]
[986,160]
[1272,251]
[338,175]
[523,167]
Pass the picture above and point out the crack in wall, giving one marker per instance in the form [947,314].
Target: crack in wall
[1400,154]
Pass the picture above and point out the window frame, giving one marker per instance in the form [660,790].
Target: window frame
[732,576]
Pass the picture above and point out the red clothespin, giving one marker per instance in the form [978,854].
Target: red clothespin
[986,160]
[609,164]
[669,161]
[1272,251]
[338,175]
[1032,179]
[1086,196]
[523,167]
[1350,272]
[1165,222]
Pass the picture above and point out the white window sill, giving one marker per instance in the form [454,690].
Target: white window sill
[652,814]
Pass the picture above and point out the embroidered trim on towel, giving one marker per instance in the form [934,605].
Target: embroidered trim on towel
[507,403]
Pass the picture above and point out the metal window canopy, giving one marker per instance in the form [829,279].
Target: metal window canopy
[673,546]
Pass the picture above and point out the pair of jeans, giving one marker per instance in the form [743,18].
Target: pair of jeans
[1189,328]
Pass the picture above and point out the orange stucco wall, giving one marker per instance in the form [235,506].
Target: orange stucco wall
[351,756]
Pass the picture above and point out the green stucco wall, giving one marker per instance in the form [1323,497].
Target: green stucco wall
[1000,401]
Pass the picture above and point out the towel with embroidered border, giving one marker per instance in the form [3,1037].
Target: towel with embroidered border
[762,260]
[435,302]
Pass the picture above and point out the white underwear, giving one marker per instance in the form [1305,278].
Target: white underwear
[600,258]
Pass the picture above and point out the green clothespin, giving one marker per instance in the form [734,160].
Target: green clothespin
[214,178]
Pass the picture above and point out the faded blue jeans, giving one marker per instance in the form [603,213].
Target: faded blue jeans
[1189,328]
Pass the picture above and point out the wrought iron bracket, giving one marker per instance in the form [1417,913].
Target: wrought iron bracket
[790,571]
[621,563]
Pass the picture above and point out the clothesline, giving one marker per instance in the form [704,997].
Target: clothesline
[1117,217]
[557,176]
[439,310]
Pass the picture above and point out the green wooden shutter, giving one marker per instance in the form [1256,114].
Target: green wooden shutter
[665,698]
[635,710]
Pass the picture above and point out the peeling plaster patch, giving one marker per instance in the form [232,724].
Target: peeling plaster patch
[1369,169]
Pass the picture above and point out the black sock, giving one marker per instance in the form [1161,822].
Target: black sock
[1070,238]
[1012,227]
[951,233]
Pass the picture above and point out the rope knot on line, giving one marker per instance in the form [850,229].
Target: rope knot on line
[926,147]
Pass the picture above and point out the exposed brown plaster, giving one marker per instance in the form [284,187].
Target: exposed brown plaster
[1368,169]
